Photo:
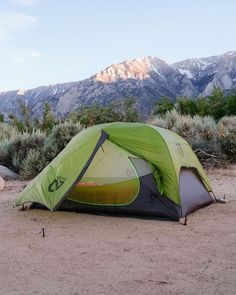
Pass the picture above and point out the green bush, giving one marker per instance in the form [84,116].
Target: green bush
[15,150]
[186,106]
[37,159]
[122,110]
[28,154]
[58,139]
[162,106]
[216,105]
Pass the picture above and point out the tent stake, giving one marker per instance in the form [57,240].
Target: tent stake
[185,220]
[43,232]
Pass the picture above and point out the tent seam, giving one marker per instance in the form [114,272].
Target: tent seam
[173,167]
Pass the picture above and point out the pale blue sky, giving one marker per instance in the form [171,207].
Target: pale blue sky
[50,41]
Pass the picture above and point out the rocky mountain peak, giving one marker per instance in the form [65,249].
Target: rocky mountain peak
[138,68]
[208,72]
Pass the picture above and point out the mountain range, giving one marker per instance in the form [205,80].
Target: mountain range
[146,79]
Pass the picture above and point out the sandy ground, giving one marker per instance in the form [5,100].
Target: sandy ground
[92,254]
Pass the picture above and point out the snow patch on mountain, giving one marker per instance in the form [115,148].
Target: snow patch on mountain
[21,92]
[186,73]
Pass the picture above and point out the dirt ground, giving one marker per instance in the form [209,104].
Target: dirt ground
[92,254]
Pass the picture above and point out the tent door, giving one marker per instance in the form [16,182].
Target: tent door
[193,193]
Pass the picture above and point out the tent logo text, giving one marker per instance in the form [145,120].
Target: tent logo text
[56,184]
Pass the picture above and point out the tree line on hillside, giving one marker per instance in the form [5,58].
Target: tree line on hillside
[216,105]
[120,110]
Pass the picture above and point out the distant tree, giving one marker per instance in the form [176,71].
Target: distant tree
[25,112]
[1,118]
[231,104]
[217,103]
[48,118]
[123,110]
[118,110]
[90,115]
[162,106]
[18,124]
[24,122]
[203,107]
[36,123]
[186,106]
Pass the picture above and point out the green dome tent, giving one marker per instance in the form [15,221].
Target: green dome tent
[123,168]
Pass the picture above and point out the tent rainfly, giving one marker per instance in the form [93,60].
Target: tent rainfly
[127,168]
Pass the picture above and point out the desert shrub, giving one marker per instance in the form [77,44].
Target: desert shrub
[28,154]
[14,150]
[213,142]
[228,144]
[158,121]
[167,121]
[204,126]
[37,159]
[4,153]
[228,123]
[32,164]
[187,126]
[211,147]
[58,139]
[227,135]
[183,126]
[7,131]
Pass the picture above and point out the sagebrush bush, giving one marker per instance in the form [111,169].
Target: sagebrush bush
[229,123]
[167,121]
[228,144]
[15,150]
[187,126]
[28,154]
[204,126]
[7,131]
[32,164]
[59,138]
[227,135]
[5,158]
[203,133]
